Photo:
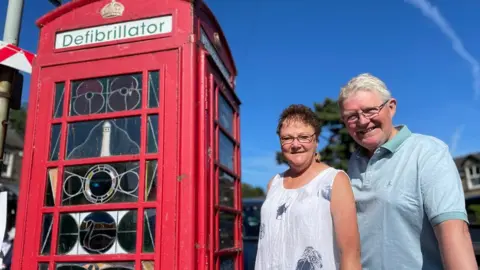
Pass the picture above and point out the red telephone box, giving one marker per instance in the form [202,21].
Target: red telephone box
[132,154]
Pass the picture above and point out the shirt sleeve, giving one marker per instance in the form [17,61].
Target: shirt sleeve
[441,186]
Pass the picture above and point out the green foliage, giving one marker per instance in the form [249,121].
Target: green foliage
[18,119]
[249,191]
[340,145]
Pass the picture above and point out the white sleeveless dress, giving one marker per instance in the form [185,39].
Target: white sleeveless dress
[296,230]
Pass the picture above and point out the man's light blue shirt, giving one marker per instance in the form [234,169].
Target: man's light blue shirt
[407,187]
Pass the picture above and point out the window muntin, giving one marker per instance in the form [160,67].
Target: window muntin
[227,205]
[95,186]
[105,95]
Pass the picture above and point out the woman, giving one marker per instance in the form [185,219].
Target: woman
[308,220]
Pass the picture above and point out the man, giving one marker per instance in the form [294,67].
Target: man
[409,197]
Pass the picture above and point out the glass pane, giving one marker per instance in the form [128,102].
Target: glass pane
[107,94]
[152,133]
[101,232]
[101,183]
[226,147]
[51,187]
[59,97]
[227,263]
[43,266]
[149,265]
[46,241]
[225,114]
[103,138]
[149,230]
[226,190]
[226,230]
[55,141]
[153,89]
[68,234]
[151,180]
[96,266]
[127,232]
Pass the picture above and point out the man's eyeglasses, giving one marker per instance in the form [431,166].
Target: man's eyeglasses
[301,139]
[367,113]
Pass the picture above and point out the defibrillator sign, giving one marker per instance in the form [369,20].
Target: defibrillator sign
[113,32]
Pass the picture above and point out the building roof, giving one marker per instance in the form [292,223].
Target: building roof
[460,160]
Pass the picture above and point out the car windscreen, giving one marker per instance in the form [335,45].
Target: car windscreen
[251,220]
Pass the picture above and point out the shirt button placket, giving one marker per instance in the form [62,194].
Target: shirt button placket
[369,170]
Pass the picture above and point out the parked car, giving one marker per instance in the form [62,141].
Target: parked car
[251,229]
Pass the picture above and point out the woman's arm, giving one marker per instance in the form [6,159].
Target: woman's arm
[342,206]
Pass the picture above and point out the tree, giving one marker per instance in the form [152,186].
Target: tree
[249,191]
[18,119]
[340,145]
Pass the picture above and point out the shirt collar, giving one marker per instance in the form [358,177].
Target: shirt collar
[393,144]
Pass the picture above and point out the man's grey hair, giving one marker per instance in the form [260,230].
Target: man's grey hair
[364,82]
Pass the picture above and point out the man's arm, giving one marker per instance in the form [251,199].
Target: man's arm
[444,205]
[342,206]
[456,245]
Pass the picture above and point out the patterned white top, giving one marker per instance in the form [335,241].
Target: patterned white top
[296,230]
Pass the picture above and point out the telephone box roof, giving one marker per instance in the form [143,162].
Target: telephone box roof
[66,8]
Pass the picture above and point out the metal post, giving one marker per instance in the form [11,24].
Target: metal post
[11,35]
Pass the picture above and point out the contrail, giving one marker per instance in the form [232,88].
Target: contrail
[456,138]
[432,12]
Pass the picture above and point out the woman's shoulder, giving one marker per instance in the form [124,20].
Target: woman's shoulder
[325,167]
[277,178]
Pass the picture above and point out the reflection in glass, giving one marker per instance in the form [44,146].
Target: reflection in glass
[226,147]
[101,183]
[43,266]
[225,114]
[226,230]
[149,230]
[152,133]
[103,138]
[226,189]
[227,263]
[55,141]
[59,94]
[153,89]
[151,180]
[96,266]
[127,231]
[68,233]
[46,241]
[101,232]
[51,187]
[107,94]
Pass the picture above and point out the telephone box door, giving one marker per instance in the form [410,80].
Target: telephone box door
[104,189]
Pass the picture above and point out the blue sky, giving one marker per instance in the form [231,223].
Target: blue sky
[303,51]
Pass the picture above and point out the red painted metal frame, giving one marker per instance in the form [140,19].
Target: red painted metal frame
[186,228]
[167,179]
[218,87]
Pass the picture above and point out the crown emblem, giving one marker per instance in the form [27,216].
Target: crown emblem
[216,41]
[112,9]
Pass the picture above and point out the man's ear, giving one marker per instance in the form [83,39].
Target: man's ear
[392,106]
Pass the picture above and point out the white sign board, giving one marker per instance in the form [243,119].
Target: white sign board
[114,32]
[3,217]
